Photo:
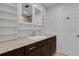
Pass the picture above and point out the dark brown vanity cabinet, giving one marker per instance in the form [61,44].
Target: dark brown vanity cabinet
[36,52]
[45,47]
[46,50]
[52,45]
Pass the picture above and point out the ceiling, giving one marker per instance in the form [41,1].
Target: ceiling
[48,5]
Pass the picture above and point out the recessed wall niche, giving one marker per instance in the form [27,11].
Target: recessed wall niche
[27,12]
[27,19]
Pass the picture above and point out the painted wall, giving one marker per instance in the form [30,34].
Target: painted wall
[57,23]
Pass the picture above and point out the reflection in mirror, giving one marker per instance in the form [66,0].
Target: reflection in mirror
[38,16]
[27,12]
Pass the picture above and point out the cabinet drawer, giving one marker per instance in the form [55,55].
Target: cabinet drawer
[36,52]
[32,47]
[35,46]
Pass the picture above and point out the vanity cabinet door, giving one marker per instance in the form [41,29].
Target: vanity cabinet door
[36,52]
[53,45]
[46,50]
[16,52]
[50,47]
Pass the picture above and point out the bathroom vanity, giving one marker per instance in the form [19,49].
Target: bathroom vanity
[15,29]
[42,47]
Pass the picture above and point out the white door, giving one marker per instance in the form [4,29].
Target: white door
[69,32]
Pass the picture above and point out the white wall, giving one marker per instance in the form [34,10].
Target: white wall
[55,21]
[51,21]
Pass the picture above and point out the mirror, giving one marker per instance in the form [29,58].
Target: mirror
[27,12]
[38,16]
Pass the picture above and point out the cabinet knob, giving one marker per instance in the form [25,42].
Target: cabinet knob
[32,48]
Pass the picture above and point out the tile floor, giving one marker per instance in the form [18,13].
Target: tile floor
[58,54]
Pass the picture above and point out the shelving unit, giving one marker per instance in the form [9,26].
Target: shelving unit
[8,11]
[27,28]
[7,18]
[8,25]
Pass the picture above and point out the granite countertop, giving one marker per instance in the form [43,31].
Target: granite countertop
[9,45]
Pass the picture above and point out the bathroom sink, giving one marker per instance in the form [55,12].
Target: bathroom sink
[36,37]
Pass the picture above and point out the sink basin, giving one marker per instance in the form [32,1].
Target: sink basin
[36,37]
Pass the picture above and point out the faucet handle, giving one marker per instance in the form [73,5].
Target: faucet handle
[33,32]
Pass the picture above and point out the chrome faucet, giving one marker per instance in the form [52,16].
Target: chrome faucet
[33,33]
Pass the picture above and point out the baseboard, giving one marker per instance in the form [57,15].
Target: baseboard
[60,52]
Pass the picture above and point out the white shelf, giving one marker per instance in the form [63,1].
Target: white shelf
[37,25]
[29,29]
[7,18]
[12,5]
[30,24]
[7,34]
[25,29]
[8,22]
[9,11]
[7,26]
[26,23]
